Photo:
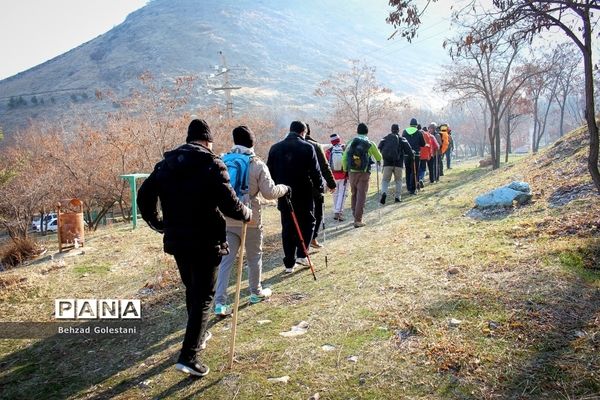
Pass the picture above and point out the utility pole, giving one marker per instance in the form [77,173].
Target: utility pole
[226,86]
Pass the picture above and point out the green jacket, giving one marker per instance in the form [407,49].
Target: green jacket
[373,152]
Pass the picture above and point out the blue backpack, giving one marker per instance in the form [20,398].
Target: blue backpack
[238,166]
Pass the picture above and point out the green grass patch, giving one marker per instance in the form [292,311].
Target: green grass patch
[92,268]
[575,262]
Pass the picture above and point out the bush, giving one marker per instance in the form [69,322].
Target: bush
[15,252]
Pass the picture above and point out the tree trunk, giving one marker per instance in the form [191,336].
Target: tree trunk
[507,136]
[590,109]
[497,149]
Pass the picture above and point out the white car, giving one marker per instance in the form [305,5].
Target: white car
[50,223]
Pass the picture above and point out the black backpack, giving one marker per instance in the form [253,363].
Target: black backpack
[389,147]
[358,158]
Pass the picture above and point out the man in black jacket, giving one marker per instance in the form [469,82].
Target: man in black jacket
[329,179]
[193,187]
[293,162]
[415,138]
[394,149]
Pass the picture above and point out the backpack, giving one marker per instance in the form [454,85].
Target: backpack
[358,155]
[389,147]
[335,158]
[238,166]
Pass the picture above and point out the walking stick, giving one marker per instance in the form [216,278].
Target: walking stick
[415,174]
[289,202]
[325,240]
[237,294]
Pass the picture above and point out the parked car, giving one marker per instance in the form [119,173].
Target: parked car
[50,223]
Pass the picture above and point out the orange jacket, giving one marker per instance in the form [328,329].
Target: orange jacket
[445,138]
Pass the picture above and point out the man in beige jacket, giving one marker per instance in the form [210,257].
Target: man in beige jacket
[259,182]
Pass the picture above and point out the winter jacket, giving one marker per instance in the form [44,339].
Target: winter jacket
[259,181]
[394,148]
[293,162]
[323,163]
[430,149]
[445,141]
[192,184]
[373,152]
[414,138]
[337,175]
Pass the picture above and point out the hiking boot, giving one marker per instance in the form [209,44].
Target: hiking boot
[338,217]
[290,270]
[222,310]
[207,337]
[194,368]
[316,244]
[302,261]
[262,295]
[397,200]
[383,197]
[359,224]
[421,184]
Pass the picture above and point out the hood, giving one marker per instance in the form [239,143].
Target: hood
[188,156]
[238,148]
[411,130]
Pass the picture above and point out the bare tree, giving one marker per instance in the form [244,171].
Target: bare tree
[357,96]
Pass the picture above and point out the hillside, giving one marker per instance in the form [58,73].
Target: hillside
[279,51]
[423,303]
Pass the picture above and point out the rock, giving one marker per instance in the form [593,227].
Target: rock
[296,330]
[493,325]
[453,271]
[580,334]
[281,379]
[315,396]
[327,347]
[146,383]
[428,236]
[264,321]
[353,359]
[505,196]
[454,323]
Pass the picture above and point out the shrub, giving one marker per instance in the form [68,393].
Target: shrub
[16,251]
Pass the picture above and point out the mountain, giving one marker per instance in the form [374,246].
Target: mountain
[278,51]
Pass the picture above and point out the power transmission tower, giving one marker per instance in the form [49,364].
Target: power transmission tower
[226,86]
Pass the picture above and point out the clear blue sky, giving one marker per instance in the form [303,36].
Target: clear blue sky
[34,31]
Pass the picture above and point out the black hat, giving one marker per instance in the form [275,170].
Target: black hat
[198,130]
[243,136]
[362,129]
[297,127]
[413,122]
[395,128]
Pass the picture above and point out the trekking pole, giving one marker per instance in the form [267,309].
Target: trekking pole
[237,295]
[325,241]
[289,202]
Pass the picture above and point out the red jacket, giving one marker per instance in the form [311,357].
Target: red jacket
[432,146]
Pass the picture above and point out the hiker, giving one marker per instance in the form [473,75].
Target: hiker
[435,132]
[394,149]
[415,138]
[193,187]
[319,196]
[444,146]
[450,148]
[258,181]
[427,158]
[357,161]
[293,162]
[334,155]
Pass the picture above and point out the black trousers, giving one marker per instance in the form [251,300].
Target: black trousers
[432,169]
[411,168]
[292,248]
[441,165]
[319,202]
[198,272]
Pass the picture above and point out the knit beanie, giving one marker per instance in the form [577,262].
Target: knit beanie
[243,136]
[198,130]
[413,122]
[335,138]
[362,129]
[297,127]
[395,128]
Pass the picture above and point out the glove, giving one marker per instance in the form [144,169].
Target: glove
[247,214]
[288,194]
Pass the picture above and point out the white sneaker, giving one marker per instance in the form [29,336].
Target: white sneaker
[302,261]
[290,270]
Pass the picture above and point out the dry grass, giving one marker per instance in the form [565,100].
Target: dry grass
[523,287]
